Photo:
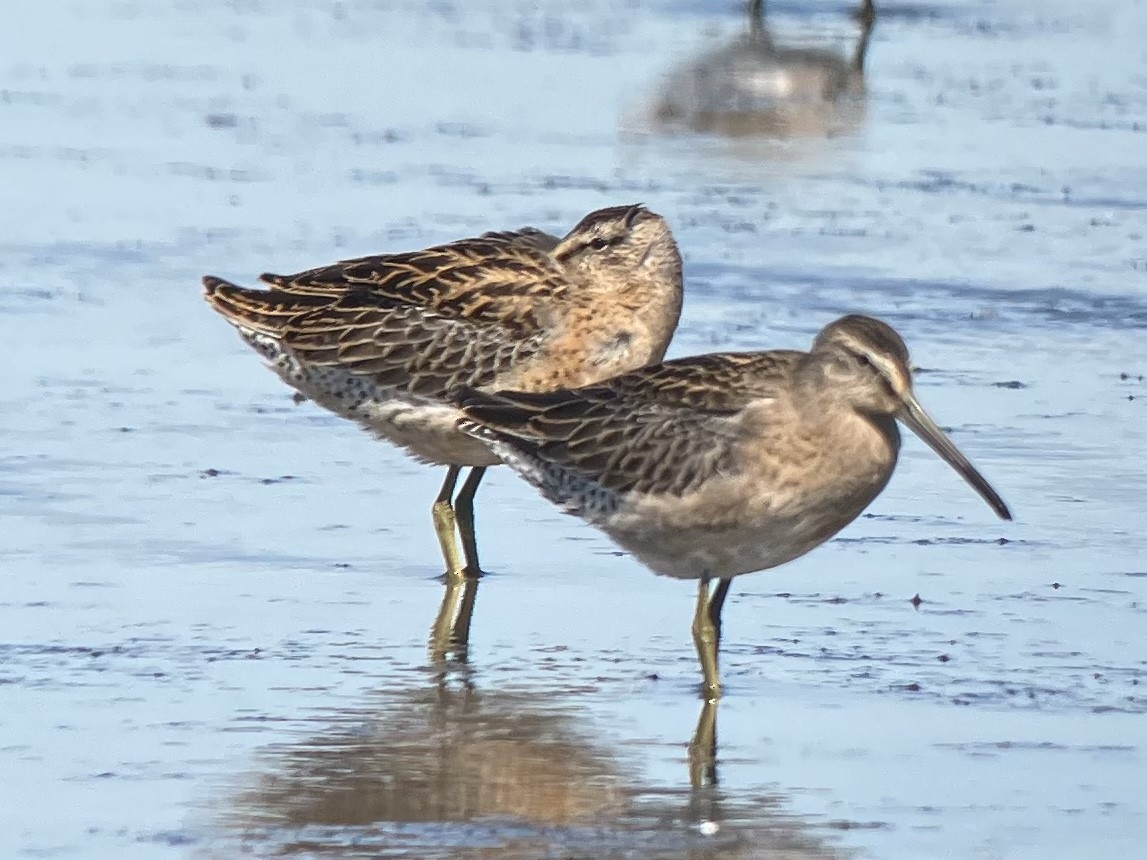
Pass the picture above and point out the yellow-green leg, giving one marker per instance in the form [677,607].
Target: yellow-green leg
[445,524]
[716,602]
[707,633]
[451,630]
[705,638]
[464,512]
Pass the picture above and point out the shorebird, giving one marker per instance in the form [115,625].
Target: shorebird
[718,465]
[754,86]
[381,340]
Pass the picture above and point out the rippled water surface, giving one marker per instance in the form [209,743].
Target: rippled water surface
[215,603]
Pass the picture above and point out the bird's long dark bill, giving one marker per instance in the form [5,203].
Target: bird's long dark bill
[917,419]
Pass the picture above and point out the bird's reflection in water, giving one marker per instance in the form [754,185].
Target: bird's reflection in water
[458,773]
[450,633]
[756,87]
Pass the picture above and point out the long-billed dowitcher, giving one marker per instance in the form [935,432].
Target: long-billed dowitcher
[382,340]
[717,465]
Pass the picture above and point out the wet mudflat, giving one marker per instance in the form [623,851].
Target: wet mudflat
[215,603]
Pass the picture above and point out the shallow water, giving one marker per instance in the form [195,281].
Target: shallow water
[215,603]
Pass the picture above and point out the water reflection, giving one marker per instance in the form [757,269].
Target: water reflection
[756,87]
[450,632]
[460,773]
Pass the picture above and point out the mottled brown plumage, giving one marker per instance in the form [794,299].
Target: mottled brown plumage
[383,340]
[713,466]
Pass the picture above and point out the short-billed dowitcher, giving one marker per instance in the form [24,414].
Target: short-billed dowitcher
[717,465]
[755,86]
[382,340]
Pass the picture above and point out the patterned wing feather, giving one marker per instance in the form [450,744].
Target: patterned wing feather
[394,344]
[405,347]
[494,276]
[717,382]
[263,311]
[662,429]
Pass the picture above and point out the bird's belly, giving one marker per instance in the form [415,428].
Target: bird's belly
[689,538]
[692,553]
[427,432]
[422,426]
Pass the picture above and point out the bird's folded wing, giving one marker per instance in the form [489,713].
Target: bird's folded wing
[494,276]
[663,429]
[407,347]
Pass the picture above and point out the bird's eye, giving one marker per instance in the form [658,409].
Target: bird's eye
[862,361]
[599,244]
